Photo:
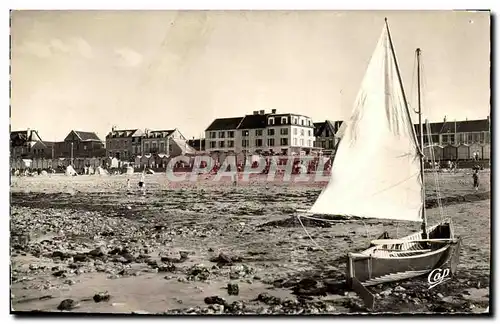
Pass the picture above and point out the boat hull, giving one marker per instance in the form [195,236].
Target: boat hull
[395,262]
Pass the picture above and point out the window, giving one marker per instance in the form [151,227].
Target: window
[270,142]
[309,133]
[469,138]
[271,121]
[295,131]
[245,133]
[284,131]
[244,143]
[476,137]
[309,122]
[481,137]
[153,145]
[284,142]
[295,141]
[302,132]
[222,134]
[330,144]
[162,147]
[270,132]
[221,144]
[146,147]
[327,133]
[212,144]
[258,142]
[295,121]
[230,134]
[487,137]
[258,132]
[213,135]
[284,120]
[302,122]
[309,143]
[301,142]
[230,143]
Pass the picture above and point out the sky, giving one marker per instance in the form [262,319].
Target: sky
[90,70]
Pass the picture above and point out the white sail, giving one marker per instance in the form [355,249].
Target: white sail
[376,172]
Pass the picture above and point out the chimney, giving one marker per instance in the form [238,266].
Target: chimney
[262,112]
[444,120]
[255,112]
[273,111]
[113,128]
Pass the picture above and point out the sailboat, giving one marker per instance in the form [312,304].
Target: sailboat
[378,173]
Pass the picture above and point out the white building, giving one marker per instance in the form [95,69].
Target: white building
[261,132]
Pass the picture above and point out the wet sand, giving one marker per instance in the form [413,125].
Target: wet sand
[56,221]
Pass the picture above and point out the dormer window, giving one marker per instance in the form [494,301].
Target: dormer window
[284,120]
[271,121]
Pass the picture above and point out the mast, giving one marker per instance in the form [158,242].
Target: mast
[421,126]
[421,146]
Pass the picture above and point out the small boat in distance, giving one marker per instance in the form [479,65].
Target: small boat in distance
[378,173]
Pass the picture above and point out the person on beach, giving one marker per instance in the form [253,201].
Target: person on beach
[128,184]
[475,177]
[142,182]
[235,178]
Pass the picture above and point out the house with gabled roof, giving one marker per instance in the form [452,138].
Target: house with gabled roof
[80,144]
[124,144]
[22,142]
[325,134]
[168,141]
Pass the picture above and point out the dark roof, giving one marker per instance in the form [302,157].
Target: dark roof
[332,125]
[318,128]
[195,143]
[463,126]
[225,124]
[25,135]
[253,122]
[159,133]
[87,136]
[48,144]
[121,133]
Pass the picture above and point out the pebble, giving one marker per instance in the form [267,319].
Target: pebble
[68,304]
[102,296]
[233,289]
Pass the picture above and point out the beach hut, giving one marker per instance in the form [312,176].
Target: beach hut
[162,160]
[486,152]
[463,152]
[450,153]
[137,161]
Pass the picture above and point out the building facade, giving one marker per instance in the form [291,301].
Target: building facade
[22,143]
[326,136]
[78,144]
[261,133]
[458,140]
[198,144]
[169,142]
[124,144]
